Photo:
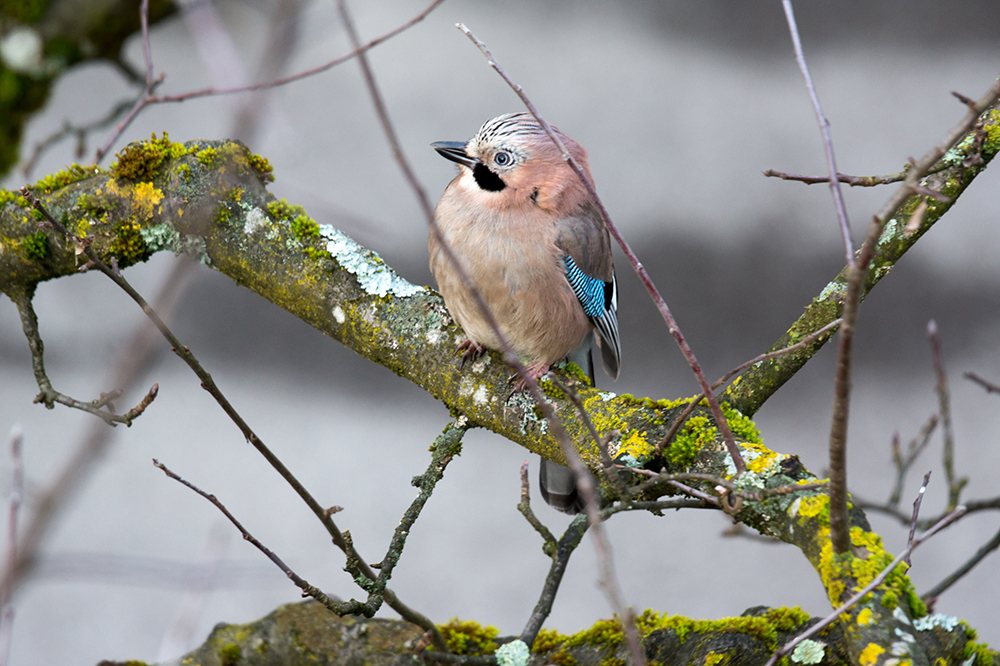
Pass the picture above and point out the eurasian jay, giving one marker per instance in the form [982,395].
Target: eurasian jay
[534,244]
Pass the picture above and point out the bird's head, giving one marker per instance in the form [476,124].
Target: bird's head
[512,157]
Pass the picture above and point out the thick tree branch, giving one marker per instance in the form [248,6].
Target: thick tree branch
[963,154]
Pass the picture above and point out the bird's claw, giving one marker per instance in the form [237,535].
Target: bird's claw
[470,351]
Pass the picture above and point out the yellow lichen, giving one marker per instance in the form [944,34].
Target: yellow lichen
[636,444]
[870,654]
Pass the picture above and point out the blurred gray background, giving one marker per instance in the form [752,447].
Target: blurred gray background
[681,105]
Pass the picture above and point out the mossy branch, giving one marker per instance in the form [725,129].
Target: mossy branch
[208,200]
[908,222]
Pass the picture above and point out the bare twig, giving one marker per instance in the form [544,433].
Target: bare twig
[839,525]
[917,445]
[445,447]
[989,386]
[916,514]
[47,394]
[839,522]
[853,181]
[944,401]
[656,480]
[567,544]
[932,594]
[150,85]
[148,98]
[549,544]
[307,589]
[647,282]
[824,128]
[878,580]
[682,417]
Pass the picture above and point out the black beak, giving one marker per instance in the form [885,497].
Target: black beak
[454,151]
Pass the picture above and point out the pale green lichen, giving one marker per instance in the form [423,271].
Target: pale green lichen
[160,237]
[373,275]
[809,652]
[946,622]
[515,653]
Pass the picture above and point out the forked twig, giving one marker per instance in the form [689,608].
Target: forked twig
[307,589]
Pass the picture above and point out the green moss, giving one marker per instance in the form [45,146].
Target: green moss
[613,661]
[469,637]
[282,210]
[577,373]
[562,658]
[316,253]
[695,434]
[6,196]
[140,160]
[984,655]
[548,639]
[184,171]
[263,168]
[60,179]
[787,619]
[128,245]
[649,403]
[222,214]
[95,204]
[550,389]
[207,155]
[229,654]
[742,427]
[36,246]
[991,145]
[304,227]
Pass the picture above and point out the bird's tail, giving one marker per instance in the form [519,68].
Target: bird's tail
[556,482]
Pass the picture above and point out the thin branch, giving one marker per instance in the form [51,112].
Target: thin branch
[824,128]
[853,181]
[839,523]
[147,97]
[549,544]
[682,417]
[839,520]
[567,544]
[661,305]
[209,385]
[989,386]
[944,400]
[917,445]
[47,394]
[932,594]
[916,514]
[307,589]
[445,447]
[878,580]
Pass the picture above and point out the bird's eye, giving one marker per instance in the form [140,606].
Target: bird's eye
[502,158]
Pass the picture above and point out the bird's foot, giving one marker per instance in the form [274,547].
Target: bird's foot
[470,352]
[536,370]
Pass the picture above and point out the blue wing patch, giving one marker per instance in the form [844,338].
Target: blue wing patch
[600,303]
[590,291]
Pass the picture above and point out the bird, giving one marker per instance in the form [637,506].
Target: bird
[533,242]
